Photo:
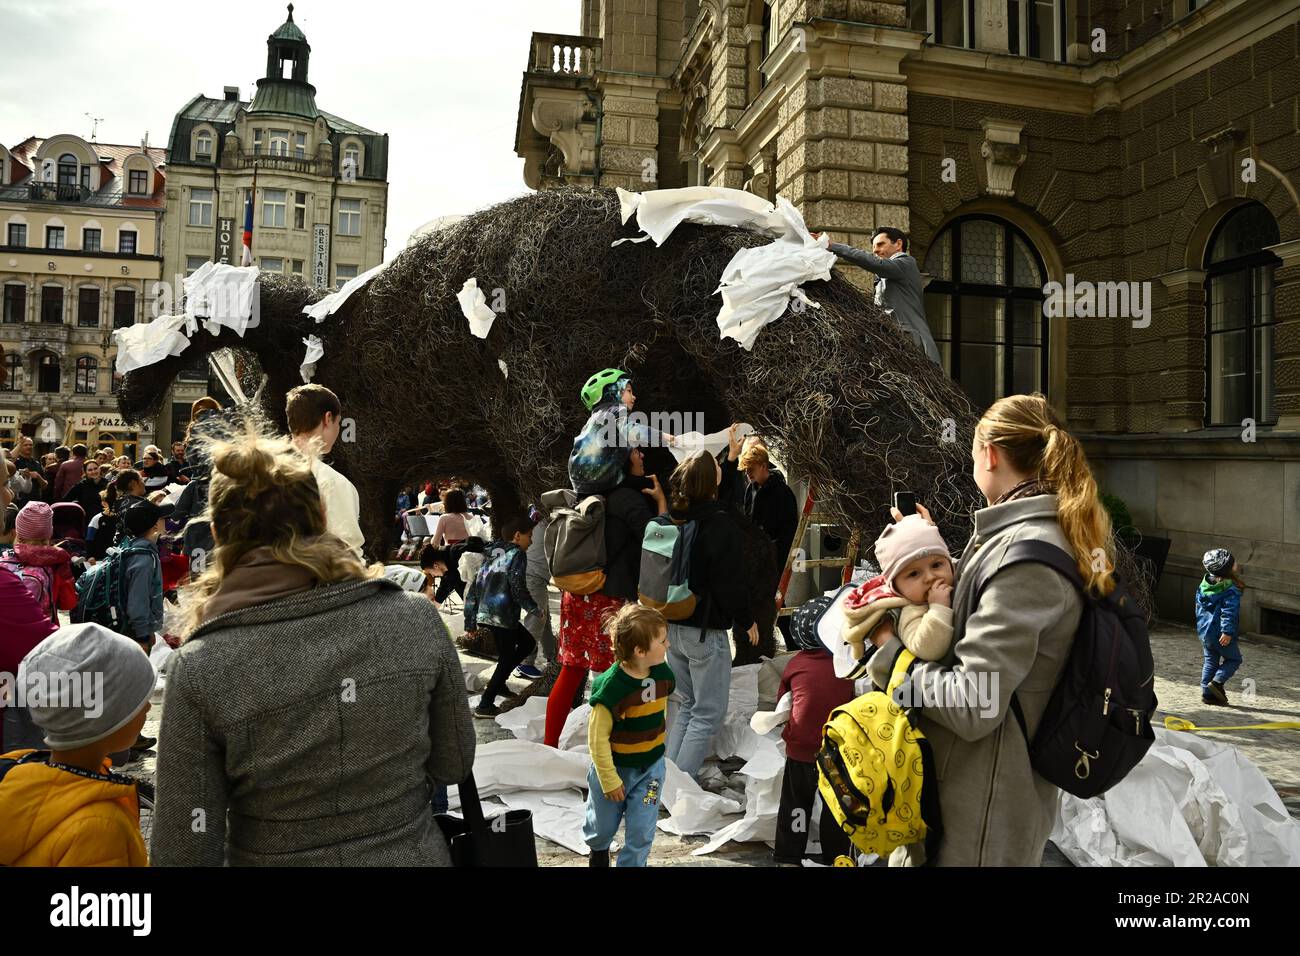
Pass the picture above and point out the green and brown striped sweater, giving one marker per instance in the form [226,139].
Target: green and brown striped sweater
[638,708]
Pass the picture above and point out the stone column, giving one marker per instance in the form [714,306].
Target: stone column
[1286,312]
[1178,329]
[991,33]
[629,150]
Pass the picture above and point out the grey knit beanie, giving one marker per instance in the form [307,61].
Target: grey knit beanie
[83,683]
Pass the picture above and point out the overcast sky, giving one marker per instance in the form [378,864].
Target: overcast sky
[440,77]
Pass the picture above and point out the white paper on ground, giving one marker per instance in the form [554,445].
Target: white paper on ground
[1192,801]
[473,305]
[149,342]
[763,774]
[692,809]
[527,721]
[574,733]
[503,766]
[331,303]
[315,352]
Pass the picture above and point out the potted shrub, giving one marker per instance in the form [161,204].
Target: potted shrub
[1149,549]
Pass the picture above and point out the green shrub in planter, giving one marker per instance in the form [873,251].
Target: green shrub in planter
[1120,519]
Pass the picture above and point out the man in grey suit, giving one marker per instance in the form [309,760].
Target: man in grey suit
[898,286]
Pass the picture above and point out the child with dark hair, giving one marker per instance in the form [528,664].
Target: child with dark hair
[494,601]
[1218,609]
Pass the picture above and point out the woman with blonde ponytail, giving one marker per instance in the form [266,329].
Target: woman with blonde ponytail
[313,701]
[1012,637]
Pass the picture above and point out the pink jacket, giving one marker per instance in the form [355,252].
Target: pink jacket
[23,624]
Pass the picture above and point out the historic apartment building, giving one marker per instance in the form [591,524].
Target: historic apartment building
[321,203]
[1148,144]
[81,252]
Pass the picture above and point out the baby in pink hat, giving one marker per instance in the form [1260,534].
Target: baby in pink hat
[912,595]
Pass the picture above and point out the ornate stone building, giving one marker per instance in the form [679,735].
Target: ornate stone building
[1142,154]
[81,231]
[322,192]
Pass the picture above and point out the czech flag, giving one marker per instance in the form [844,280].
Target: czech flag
[247,258]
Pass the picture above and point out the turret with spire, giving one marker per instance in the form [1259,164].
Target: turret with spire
[291,94]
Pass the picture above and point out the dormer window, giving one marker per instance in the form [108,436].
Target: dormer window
[67,170]
[139,182]
[203,146]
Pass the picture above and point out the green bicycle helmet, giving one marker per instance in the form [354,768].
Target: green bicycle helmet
[596,385]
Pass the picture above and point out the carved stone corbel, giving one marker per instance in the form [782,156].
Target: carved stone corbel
[559,116]
[1003,154]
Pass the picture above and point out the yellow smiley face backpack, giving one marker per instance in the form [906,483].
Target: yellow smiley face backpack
[876,772]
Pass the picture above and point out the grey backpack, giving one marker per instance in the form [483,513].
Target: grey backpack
[575,540]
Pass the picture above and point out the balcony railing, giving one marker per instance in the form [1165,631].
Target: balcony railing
[556,53]
[57,192]
[265,159]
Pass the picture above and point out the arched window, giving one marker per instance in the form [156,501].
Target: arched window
[87,375]
[985,308]
[14,369]
[47,373]
[1239,321]
[67,170]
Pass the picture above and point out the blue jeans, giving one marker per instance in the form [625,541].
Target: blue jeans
[1220,662]
[639,812]
[703,672]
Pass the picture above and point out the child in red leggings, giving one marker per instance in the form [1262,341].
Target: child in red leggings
[583,646]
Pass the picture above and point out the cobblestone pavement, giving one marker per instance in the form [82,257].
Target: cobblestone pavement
[1275,671]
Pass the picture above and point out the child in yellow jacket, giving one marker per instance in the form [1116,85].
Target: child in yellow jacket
[87,689]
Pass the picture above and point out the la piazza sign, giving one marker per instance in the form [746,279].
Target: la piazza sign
[85,422]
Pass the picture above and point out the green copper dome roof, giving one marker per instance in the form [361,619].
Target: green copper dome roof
[285,96]
[289,30]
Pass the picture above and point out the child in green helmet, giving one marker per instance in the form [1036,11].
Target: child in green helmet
[602,447]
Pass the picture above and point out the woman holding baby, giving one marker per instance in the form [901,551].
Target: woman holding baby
[1014,637]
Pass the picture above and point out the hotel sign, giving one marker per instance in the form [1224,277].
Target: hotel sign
[225,250]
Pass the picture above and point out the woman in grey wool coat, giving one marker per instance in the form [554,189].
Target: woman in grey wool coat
[996,811]
[313,703]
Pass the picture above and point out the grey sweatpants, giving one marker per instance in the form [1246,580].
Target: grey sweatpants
[538,623]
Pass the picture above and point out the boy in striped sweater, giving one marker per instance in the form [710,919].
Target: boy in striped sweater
[626,737]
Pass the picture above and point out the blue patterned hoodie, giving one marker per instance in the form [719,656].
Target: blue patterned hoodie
[500,589]
[602,448]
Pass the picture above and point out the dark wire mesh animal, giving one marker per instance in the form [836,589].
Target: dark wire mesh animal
[840,394]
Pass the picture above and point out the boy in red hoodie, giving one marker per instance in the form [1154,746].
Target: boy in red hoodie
[809,692]
[43,568]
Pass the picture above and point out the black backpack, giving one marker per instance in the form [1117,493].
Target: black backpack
[1097,725]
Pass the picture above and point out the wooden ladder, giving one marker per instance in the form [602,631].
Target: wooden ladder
[811,518]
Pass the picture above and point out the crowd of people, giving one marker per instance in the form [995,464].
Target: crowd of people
[315,710]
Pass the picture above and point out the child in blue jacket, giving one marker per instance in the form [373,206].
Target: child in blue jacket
[495,599]
[1218,607]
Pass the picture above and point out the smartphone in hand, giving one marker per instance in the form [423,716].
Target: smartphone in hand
[905,502]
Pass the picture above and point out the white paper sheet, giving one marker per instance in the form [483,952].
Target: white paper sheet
[692,442]
[473,305]
[763,774]
[1192,801]
[223,295]
[148,342]
[331,303]
[691,808]
[315,352]
[758,284]
[503,766]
